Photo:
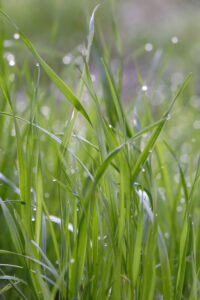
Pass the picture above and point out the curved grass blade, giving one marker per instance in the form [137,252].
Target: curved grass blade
[51,73]
[12,227]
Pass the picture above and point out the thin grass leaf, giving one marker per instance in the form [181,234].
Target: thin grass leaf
[50,72]
[137,250]
[12,227]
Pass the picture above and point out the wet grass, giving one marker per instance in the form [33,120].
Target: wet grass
[99,197]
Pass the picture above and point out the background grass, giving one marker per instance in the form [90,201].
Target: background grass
[99,150]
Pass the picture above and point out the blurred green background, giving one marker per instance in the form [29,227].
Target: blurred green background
[61,25]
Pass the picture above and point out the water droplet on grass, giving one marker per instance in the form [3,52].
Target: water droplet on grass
[70,227]
[45,110]
[54,180]
[174,40]
[144,88]
[67,59]
[55,219]
[16,36]
[148,47]
[11,63]
[13,132]
[10,58]
[166,235]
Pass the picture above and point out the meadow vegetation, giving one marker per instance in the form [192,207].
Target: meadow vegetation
[99,185]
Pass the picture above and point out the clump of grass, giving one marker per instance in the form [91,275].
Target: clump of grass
[90,206]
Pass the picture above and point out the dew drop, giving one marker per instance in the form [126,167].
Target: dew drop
[70,227]
[54,180]
[45,110]
[148,47]
[110,126]
[174,40]
[166,235]
[67,59]
[16,36]
[144,88]
[11,63]
[13,132]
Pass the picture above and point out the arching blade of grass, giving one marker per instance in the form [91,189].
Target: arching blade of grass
[51,73]
[10,183]
[52,271]
[14,281]
[9,286]
[152,140]
[12,227]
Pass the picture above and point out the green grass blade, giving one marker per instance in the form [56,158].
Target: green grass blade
[51,73]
